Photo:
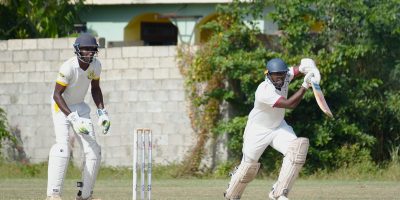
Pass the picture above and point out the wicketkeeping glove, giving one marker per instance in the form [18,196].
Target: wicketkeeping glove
[104,121]
[79,124]
[308,65]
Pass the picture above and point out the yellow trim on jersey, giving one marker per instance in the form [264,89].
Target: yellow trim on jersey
[56,108]
[96,79]
[61,83]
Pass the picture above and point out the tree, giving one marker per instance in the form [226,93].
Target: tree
[355,45]
[38,18]
[225,69]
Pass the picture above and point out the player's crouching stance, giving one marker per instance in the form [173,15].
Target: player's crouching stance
[69,109]
[266,127]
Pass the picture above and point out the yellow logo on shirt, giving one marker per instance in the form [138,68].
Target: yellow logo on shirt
[91,75]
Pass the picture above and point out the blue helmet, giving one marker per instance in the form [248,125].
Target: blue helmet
[85,40]
[276,65]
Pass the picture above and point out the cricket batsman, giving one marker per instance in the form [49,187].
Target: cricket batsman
[70,110]
[266,126]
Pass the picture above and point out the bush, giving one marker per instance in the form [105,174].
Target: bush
[5,134]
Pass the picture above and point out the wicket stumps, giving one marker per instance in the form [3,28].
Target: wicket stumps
[142,148]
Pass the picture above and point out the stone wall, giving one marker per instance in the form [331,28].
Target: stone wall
[142,87]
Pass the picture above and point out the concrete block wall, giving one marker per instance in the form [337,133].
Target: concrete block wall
[142,87]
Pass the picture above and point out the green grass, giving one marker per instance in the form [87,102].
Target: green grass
[365,181]
[18,170]
[361,171]
[207,189]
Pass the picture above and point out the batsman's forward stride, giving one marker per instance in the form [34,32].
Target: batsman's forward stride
[69,109]
[266,127]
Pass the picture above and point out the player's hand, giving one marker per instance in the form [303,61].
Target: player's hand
[307,80]
[79,124]
[316,76]
[308,65]
[104,121]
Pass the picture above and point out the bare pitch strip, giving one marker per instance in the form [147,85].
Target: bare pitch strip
[142,149]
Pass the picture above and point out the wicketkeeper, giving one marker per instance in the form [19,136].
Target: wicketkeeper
[266,127]
[69,109]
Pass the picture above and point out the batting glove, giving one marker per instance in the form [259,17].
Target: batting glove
[307,80]
[79,124]
[308,65]
[104,121]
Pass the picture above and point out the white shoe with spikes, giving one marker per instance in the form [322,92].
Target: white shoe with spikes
[53,198]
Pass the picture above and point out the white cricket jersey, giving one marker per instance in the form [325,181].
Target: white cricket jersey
[264,115]
[76,80]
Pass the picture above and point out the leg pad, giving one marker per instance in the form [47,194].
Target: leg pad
[245,173]
[291,166]
[57,168]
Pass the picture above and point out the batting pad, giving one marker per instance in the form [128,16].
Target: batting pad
[90,169]
[291,166]
[245,173]
[57,168]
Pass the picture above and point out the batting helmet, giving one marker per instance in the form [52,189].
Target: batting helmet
[276,65]
[85,40]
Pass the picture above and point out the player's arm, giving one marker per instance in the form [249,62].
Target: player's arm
[57,97]
[296,71]
[97,95]
[78,124]
[292,101]
[295,99]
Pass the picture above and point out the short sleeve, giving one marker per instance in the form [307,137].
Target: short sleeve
[266,94]
[64,75]
[97,70]
[291,73]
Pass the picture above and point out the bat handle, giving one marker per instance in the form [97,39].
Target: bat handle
[313,80]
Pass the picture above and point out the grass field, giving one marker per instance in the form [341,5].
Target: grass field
[208,189]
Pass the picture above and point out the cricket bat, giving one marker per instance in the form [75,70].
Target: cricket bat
[319,96]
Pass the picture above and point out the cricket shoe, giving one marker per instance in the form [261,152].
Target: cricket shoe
[231,199]
[271,196]
[89,198]
[53,198]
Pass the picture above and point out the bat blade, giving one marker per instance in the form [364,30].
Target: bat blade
[319,97]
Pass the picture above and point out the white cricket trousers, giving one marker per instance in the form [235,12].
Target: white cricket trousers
[60,152]
[256,140]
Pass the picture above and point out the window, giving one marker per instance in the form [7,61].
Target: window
[153,33]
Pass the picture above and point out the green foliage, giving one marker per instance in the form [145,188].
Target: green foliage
[4,130]
[235,128]
[224,169]
[38,18]
[22,170]
[365,170]
[29,170]
[10,170]
[357,54]
[227,68]
[355,44]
